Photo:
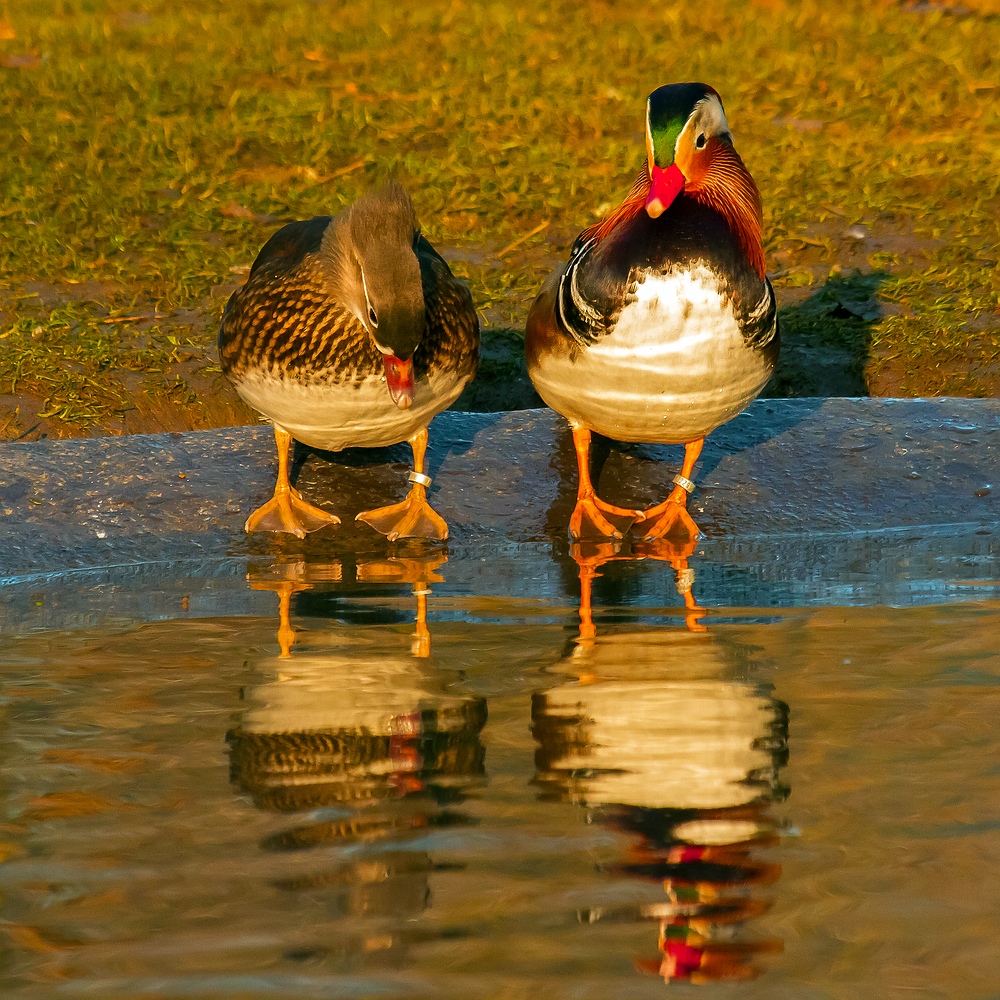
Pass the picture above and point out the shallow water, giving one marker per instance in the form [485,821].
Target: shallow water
[806,800]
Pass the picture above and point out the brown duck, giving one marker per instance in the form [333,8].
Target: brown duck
[351,331]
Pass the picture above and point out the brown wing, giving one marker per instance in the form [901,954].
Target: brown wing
[283,319]
[451,340]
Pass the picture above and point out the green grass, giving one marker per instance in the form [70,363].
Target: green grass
[143,145]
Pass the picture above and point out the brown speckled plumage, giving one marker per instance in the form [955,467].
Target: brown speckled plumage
[285,321]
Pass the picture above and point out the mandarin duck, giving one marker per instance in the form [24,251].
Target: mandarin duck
[662,325]
[351,331]
[656,735]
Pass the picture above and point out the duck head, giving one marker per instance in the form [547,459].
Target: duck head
[685,129]
[388,295]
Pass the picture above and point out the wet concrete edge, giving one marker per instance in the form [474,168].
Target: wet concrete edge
[795,490]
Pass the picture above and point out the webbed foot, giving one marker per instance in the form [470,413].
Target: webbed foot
[588,520]
[287,511]
[413,518]
[669,518]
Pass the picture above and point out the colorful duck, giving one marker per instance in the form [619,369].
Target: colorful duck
[351,332]
[662,325]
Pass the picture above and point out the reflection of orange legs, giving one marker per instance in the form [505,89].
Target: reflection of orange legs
[671,516]
[588,515]
[286,510]
[286,578]
[590,558]
[676,553]
[286,634]
[421,645]
[414,517]
[418,571]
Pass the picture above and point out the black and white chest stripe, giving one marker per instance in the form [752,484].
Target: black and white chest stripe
[759,325]
[577,316]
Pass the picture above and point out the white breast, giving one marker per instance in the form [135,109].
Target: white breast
[663,744]
[361,415]
[674,368]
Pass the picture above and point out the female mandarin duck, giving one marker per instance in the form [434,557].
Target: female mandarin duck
[662,325]
[351,332]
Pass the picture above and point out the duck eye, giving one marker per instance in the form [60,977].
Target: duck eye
[699,143]
[372,317]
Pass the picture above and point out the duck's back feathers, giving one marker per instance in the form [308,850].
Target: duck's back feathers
[284,318]
[290,245]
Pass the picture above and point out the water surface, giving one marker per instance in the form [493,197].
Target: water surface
[804,800]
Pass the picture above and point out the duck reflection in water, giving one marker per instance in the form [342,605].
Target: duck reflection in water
[362,735]
[659,736]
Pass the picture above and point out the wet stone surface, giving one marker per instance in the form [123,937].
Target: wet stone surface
[800,501]
[801,466]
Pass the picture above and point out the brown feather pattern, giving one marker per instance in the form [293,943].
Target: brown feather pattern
[287,325]
[728,187]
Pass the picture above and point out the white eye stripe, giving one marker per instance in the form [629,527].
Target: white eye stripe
[711,118]
[372,315]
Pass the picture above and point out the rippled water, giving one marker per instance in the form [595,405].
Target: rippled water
[804,800]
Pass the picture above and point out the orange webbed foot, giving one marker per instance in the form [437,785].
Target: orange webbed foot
[287,511]
[669,518]
[413,518]
[589,521]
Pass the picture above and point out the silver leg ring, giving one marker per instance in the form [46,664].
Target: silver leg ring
[683,482]
[419,478]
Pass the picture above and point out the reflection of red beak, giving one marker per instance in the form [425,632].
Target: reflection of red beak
[665,185]
[399,379]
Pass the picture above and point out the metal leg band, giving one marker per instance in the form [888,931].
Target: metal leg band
[420,479]
[683,482]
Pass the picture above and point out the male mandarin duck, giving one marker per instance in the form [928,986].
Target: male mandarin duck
[351,332]
[662,325]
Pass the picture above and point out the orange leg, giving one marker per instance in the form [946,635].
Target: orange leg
[588,519]
[286,634]
[685,587]
[414,517]
[588,631]
[286,510]
[671,516]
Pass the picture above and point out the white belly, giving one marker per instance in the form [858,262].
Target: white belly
[674,368]
[362,415]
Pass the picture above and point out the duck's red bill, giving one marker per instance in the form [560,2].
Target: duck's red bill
[399,379]
[665,184]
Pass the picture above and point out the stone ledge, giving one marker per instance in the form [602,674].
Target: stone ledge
[807,496]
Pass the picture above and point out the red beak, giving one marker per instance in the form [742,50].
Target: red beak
[399,379]
[665,185]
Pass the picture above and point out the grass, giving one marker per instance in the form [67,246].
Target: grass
[149,148]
